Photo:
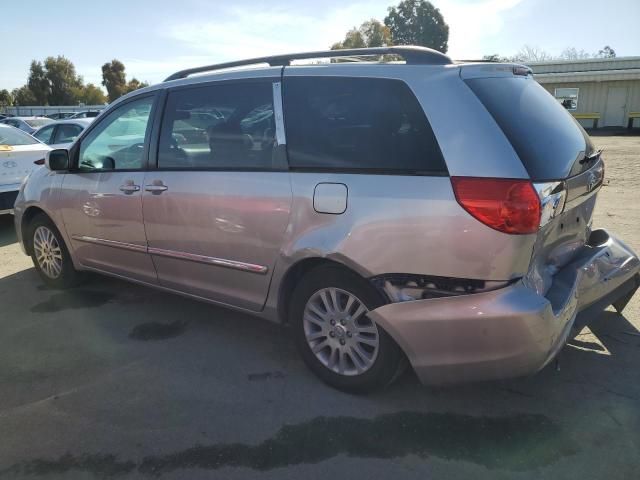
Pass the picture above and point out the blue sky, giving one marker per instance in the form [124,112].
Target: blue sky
[156,37]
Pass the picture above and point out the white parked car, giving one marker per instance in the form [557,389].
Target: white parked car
[62,133]
[19,154]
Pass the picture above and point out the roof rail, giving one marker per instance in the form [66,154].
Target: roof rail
[413,56]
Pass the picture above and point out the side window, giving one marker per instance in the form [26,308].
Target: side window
[44,134]
[117,142]
[67,133]
[226,126]
[358,124]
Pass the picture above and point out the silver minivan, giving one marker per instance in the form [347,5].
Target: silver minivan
[429,213]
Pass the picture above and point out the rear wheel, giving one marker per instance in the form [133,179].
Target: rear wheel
[50,255]
[336,337]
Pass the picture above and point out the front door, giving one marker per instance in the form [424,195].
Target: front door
[217,208]
[102,195]
[614,115]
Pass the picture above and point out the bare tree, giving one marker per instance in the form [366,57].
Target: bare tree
[572,53]
[529,53]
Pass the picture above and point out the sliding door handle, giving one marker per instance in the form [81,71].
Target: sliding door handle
[156,187]
[129,187]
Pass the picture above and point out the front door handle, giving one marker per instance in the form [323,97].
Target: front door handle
[129,187]
[156,187]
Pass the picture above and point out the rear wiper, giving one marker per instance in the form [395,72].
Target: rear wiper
[589,158]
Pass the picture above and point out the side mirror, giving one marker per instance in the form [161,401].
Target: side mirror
[56,160]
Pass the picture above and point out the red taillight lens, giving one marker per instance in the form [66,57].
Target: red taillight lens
[509,206]
[39,162]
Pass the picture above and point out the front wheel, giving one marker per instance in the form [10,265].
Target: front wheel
[335,336]
[50,255]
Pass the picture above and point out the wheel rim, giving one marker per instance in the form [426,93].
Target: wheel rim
[48,252]
[339,332]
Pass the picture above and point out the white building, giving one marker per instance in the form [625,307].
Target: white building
[601,92]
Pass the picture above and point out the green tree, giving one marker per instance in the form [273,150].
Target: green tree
[23,96]
[135,84]
[63,80]
[90,95]
[114,79]
[418,22]
[6,99]
[371,33]
[607,52]
[38,83]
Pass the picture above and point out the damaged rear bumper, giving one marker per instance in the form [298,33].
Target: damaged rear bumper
[512,331]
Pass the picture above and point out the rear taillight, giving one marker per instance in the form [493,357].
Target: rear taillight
[509,206]
[39,162]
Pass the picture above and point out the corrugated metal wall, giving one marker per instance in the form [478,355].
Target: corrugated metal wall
[592,97]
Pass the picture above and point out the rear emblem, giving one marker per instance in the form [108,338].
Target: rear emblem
[10,164]
[592,182]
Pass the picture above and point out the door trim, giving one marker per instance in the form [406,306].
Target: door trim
[110,243]
[192,257]
[220,262]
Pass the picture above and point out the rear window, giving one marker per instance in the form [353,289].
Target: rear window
[38,122]
[548,140]
[13,136]
[370,124]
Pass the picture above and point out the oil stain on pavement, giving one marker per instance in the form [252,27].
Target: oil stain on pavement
[73,299]
[157,330]
[516,443]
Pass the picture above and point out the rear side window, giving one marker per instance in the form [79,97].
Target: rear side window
[367,124]
[67,133]
[224,126]
[547,139]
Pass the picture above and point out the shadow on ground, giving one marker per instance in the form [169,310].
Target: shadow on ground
[154,365]
[7,231]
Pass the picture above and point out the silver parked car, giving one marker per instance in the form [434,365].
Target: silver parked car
[430,211]
[62,133]
[27,124]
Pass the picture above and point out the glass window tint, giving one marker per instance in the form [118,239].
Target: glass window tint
[67,133]
[44,134]
[226,126]
[118,140]
[548,140]
[358,124]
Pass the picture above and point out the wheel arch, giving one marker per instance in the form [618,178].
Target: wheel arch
[296,271]
[29,214]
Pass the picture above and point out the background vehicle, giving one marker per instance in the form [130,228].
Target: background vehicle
[60,115]
[62,133]
[87,114]
[18,152]
[27,124]
[433,212]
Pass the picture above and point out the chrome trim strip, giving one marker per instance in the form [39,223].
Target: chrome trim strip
[110,243]
[220,262]
[277,110]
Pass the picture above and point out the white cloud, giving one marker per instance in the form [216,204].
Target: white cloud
[471,24]
[239,33]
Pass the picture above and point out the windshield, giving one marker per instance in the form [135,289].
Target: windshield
[38,122]
[13,136]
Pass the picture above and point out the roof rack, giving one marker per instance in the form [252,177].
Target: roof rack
[413,56]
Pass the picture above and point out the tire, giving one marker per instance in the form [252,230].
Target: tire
[50,255]
[355,366]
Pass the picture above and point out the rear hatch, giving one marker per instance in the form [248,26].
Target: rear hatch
[562,163]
